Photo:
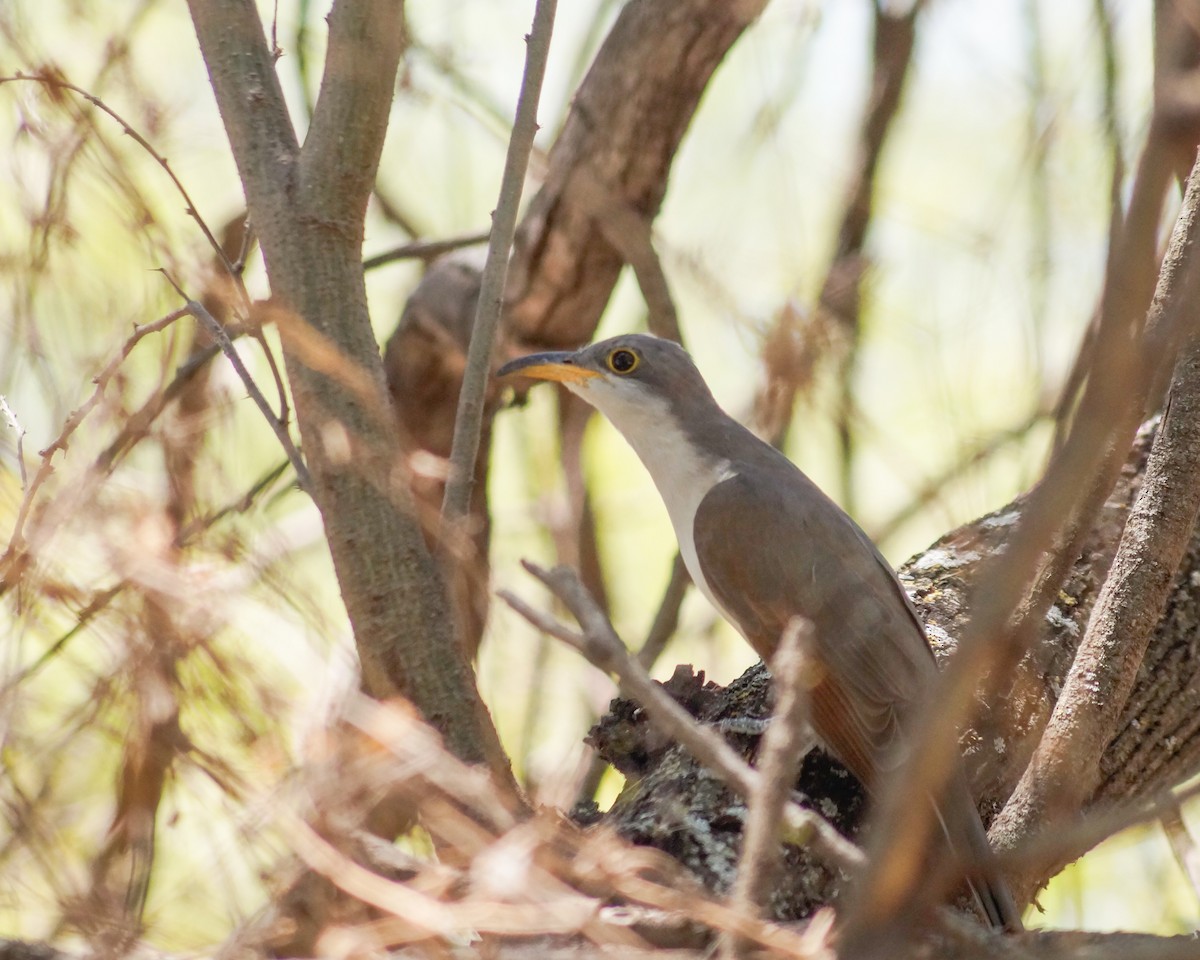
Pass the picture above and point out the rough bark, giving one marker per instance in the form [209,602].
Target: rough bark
[307,206]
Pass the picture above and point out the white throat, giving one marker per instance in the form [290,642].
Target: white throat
[683,476]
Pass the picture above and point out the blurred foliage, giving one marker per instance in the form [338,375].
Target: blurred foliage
[986,254]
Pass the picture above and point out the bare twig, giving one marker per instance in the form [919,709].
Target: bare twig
[603,648]
[427,915]
[130,131]
[73,422]
[469,419]
[1183,845]
[666,619]
[197,310]
[631,236]
[787,738]
[894,40]
[1110,112]
[425,249]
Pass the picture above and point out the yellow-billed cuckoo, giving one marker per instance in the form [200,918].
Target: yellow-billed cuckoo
[764,544]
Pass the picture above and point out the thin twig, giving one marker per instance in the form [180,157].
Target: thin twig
[61,442]
[1183,845]
[602,647]
[787,738]
[666,619]
[469,419]
[630,233]
[130,131]
[425,249]
[197,310]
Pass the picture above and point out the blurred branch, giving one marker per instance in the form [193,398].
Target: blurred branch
[425,249]
[1064,771]
[1012,595]
[130,131]
[895,33]
[11,559]
[1110,112]
[666,618]
[575,535]
[278,427]
[1183,845]
[787,738]
[631,236]
[101,599]
[1040,127]
[469,419]
[1168,153]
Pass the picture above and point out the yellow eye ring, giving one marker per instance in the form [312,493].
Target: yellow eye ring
[623,361]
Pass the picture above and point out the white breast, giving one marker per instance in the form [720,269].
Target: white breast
[682,477]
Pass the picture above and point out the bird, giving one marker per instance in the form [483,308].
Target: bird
[765,544]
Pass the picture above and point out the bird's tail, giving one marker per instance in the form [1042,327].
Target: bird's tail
[965,834]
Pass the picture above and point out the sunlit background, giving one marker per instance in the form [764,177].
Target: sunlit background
[987,251]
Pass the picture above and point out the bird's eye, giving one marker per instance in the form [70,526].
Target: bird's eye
[622,361]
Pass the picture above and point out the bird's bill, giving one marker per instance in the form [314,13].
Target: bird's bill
[559,366]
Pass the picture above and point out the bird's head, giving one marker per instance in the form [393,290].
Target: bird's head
[630,375]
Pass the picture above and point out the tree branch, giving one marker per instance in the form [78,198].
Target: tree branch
[465,447]
[307,207]
[1065,769]
[1054,520]
[788,736]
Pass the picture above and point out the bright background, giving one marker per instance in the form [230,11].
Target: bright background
[987,253]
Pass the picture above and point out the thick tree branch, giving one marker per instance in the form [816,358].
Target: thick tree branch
[1021,583]
[1065,769]
[308,207]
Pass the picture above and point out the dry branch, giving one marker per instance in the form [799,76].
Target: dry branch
[787,738]
[468,421]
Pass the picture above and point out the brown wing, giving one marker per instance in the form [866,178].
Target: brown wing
[771,545]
